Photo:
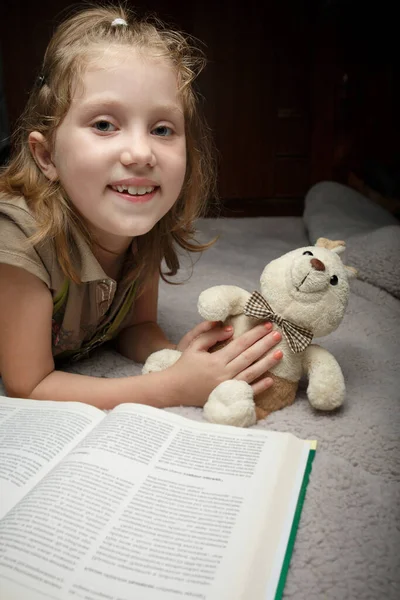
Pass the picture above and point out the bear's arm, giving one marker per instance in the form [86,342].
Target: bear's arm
[221,301]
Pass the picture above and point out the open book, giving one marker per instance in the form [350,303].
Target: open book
[142,504]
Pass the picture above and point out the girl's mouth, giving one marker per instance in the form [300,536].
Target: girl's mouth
[135,193]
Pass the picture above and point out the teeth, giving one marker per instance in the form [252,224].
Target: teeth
[133,190]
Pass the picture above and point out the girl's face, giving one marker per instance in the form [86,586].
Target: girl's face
[120,152]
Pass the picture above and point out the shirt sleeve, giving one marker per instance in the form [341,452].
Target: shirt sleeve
[16,250]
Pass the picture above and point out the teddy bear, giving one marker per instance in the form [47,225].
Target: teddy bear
[304,293]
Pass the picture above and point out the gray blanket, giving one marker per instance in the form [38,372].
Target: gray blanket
[348,542]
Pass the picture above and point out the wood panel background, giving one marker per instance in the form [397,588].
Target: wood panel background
[273,90]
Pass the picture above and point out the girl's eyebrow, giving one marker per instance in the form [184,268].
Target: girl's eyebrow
[112,103]
[98,103]
[168,108]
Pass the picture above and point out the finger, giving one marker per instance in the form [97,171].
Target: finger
[245,353]
[209,338]
[260,367]
[202,328]
[194,333]
[246,340]
[262,385]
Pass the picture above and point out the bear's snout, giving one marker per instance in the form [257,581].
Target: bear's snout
[317,264]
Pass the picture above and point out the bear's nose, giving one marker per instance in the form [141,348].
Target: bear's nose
[317,264]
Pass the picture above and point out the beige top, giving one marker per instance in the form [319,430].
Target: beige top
[85,315]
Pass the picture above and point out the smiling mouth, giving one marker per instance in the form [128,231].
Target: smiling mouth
[300,284]
[134,190]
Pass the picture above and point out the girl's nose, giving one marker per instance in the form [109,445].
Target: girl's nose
[139,152]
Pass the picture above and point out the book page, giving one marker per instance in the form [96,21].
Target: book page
[34,436]
[266,558]
[149,505]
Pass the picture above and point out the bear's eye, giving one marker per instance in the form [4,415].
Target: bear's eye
[334,280]
[308,252]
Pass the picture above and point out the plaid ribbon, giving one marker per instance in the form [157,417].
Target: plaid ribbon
[297,337]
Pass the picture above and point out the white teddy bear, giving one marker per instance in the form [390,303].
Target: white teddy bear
[304,293]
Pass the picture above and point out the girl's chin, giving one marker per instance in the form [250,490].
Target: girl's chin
[120,237]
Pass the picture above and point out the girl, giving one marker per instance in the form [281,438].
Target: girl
[112,166]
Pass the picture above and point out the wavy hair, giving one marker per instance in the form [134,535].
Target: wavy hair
[65,61]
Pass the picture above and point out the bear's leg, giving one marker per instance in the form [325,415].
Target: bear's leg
[231,403]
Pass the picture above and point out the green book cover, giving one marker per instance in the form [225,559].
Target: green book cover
[295,524]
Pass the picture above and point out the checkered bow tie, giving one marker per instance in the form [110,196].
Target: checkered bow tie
[297,337]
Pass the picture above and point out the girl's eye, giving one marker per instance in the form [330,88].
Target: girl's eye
[162,131]
[104,126]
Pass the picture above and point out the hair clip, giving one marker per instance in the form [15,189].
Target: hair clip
[119,22]
[40,80]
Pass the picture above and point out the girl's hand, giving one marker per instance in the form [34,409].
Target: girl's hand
[247,358]
[194,333]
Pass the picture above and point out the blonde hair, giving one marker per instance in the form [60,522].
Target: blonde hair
[65,60]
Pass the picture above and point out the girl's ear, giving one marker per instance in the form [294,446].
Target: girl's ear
[39,148]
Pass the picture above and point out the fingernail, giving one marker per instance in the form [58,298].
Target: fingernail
[277,336]
[228,328]
[278,354]
[268,326]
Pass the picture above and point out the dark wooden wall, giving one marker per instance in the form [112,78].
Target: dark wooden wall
[287,89]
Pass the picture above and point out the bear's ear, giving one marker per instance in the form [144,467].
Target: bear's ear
[337,246]
[351,272]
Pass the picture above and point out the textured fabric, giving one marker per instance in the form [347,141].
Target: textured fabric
[371,233]
[347,545]
[376,256]
[83,318]
[297,337]
[336,212]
